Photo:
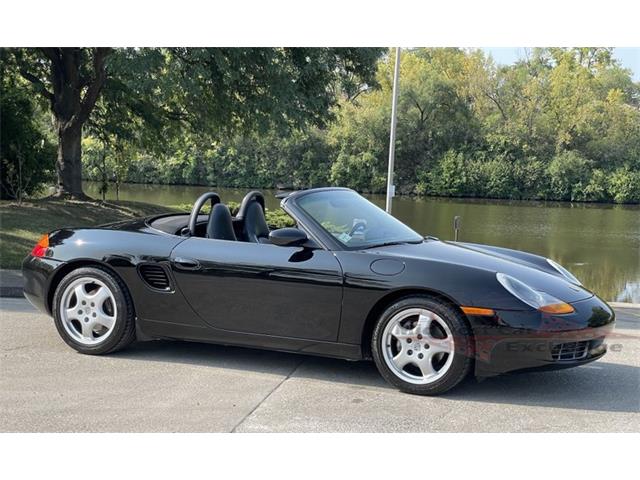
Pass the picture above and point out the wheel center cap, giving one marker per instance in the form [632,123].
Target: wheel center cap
[417,346]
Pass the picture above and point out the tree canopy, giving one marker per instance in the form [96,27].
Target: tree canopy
[561,124]
[151,94]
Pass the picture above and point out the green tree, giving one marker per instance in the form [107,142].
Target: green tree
[434,116]
[221,90]
[70,81]
[26,152]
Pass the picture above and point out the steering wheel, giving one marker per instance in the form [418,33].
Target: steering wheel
[358,226]
[195,211]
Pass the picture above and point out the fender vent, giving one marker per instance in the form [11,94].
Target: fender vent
[155,276]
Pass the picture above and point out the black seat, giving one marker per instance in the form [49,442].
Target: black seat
[251,214]
[220,225]
[255,228]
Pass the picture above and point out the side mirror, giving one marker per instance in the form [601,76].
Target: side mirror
[288,237]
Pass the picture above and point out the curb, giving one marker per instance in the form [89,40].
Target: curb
[11,292]
[624,305]
[10,283]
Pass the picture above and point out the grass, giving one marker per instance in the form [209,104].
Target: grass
[22,225]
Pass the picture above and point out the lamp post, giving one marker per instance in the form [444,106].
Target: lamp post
[391,188]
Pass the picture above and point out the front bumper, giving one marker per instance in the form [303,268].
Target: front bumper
[517,341]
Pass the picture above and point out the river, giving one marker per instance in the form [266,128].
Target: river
[599,243]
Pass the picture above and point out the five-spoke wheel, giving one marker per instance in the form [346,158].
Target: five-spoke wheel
[422,345]
[93,311]
[418,345]
[88,310]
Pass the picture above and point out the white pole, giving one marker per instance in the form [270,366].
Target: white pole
[391,189]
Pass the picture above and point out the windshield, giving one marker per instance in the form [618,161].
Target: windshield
[354,221]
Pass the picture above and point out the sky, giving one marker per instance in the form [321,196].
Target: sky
[628,57]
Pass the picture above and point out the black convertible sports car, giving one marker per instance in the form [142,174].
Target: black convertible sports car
[350,281]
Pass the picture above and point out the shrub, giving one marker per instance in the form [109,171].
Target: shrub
[569,174]
[624,186]
[497,177]
[451,175]
[360,172]
[598,188]
[530,179]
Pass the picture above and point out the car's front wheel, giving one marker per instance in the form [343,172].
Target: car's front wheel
[93,311]
[422,345]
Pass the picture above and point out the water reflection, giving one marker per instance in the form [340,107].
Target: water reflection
[600,244]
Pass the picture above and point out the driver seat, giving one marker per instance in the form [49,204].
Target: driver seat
[220,224]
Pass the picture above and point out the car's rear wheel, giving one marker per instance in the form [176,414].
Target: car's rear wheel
[93,311]
[422,345]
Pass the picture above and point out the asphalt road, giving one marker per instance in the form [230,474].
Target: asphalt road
[177,386]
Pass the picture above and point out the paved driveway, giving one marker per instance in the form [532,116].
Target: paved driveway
[174,386]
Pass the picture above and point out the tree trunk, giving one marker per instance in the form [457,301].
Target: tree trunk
[104,184]
[76,76]
[69,163]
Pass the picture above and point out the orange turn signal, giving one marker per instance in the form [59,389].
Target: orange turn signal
[485,312]
[41,247]
[557,308]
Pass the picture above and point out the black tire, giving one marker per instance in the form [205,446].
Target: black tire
[463,356]
[124,331]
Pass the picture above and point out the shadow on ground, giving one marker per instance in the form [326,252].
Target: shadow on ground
[600,386]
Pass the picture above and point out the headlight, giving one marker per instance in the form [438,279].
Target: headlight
[564,272]
[539,300]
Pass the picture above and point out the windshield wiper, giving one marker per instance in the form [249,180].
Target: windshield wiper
[397,242]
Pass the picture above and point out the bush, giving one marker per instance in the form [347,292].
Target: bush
[360,172]
[624,186]
[530,179]
[452,176]
[598,188]
[569,174]
[496,176]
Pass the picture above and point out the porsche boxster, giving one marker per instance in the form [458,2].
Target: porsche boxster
[348,281]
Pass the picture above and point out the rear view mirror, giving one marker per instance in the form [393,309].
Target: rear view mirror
[288,237]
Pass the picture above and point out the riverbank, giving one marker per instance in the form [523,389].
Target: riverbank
[22,225]
[92,187]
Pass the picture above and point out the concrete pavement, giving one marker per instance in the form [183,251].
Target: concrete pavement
[177,386]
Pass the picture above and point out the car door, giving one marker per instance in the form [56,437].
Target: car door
[261,288]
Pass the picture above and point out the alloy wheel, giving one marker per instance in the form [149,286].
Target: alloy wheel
[88,311]
[418,346]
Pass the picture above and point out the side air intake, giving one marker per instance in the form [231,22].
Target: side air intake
[155,276]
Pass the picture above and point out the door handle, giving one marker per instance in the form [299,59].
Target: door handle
[186,263]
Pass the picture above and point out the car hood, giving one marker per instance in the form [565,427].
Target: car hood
[526,267]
